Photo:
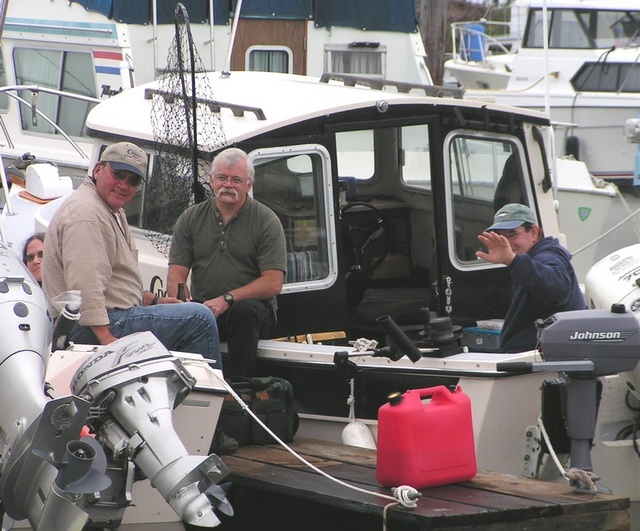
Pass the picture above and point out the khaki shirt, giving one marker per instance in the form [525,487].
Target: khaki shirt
[87,249]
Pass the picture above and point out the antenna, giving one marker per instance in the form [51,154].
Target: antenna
[234,30]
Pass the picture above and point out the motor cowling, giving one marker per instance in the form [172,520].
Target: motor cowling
[133,385]
[615,280]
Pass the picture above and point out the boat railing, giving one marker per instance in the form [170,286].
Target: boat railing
[13,90]
[351,80]
[237,109]
[475,41]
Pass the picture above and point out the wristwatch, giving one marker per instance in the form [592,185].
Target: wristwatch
[228,298]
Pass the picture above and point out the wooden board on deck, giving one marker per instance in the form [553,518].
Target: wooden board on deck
[273,490]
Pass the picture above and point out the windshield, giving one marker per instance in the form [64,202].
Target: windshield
[584,28]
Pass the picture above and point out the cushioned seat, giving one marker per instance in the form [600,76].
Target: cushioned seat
[402,304]
[303,266]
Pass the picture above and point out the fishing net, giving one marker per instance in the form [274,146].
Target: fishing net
[187,129]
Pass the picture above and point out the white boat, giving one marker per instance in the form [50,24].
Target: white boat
[408,181]
[587,76]
[102,58]
[431,201]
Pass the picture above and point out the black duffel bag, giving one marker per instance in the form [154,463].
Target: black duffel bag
[271,399]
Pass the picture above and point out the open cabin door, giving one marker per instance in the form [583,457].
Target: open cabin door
[482,173]
[296,183]
[271,46]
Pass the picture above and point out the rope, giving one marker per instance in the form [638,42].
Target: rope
[403,495]
[407,497]
[362,344]
[581,480]
[351,401]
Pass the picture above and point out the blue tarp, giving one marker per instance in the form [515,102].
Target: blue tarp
[131,12]
[137,12]
[380,15]
[198,11]
[101,6]
[279,9]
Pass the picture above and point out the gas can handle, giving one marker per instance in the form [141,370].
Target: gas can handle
[437,391]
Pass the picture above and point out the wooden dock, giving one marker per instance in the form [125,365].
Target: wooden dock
[272,490]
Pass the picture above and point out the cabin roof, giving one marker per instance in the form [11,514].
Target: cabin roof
[283,99]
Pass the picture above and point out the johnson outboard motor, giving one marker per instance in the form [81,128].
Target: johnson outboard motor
[581,346]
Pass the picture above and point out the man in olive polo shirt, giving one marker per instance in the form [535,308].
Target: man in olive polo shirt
[235,249]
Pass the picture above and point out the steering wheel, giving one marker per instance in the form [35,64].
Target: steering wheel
[366,242]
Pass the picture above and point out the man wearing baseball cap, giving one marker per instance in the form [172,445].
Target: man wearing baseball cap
[543,281]
[91,249]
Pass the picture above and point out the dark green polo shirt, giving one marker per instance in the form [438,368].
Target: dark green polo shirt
[222,258]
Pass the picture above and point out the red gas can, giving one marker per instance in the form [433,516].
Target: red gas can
[422,442]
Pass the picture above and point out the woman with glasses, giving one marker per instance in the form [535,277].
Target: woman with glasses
[32,255]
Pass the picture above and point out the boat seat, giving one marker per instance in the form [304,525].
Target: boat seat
[509,188]
[303,266]
[403,305]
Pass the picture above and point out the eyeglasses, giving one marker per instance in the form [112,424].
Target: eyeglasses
[222,179]
[133,179]
[32,257]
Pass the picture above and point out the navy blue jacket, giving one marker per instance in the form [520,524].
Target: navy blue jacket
[543,282]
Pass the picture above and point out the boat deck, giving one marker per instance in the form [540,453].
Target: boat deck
[273,490]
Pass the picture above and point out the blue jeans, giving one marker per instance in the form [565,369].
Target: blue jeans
[184,327]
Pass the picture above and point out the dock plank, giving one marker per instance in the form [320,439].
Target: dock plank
[270,486]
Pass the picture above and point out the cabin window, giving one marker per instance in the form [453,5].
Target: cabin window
[578,29]
[416,161]
[484,175]
[365,59]
[65,71]
[611,28]
[355,154]
[607,77]
[270,59]
[296,184]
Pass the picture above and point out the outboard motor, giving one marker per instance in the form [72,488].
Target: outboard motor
[615,280]
[59,481]
[581,346]
[44,468]
[133,385]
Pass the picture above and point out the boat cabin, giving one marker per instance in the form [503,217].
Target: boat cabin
[381,194]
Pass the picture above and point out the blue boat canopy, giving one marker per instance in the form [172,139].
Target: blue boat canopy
[381,15]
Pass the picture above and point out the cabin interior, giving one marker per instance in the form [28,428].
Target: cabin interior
[386,226]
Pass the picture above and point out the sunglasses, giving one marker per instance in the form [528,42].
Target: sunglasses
[32,257]
[132,179]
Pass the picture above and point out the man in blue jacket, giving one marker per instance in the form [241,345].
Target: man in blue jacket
[543,281]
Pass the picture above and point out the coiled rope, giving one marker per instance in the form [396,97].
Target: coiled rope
[581,480]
